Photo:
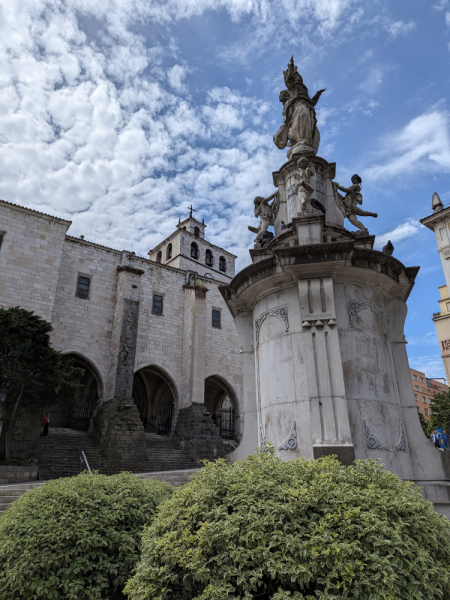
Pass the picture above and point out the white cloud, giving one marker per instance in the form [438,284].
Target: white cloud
[401,232]
[401,28]
[176,76]
[429,339]
[423,144]
[431,365]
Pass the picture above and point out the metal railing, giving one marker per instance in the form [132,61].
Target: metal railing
[84,460]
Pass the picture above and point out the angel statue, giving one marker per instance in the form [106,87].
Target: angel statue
[349,203]
[267,214]
[299,130]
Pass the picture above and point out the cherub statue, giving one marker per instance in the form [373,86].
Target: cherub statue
[349,203]
[266,212]
[299,130]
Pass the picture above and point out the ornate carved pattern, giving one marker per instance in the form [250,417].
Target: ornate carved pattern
[291,442]
[373,443]
[292,202]
[281,312]
[446,346]
[320,191]
[354,307]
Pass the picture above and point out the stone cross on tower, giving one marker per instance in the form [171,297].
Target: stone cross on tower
[191,209]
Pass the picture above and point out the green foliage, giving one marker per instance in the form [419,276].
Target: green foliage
[440,411]
[424,424]
[75,538]
[266,529]
[30,368]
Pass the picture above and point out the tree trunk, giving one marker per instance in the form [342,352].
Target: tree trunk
[10,428]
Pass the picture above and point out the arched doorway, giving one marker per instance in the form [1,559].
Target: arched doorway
[154,394]
[221,403]
[86,399]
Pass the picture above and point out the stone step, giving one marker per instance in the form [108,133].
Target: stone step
[178,477]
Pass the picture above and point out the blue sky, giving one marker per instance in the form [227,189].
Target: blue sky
[118,114]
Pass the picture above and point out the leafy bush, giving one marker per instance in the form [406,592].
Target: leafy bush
[75,538]
[266,529]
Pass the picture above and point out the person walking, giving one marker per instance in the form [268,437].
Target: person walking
[446,439]
[45,425]
[435,438]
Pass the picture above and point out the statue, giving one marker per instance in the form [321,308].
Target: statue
[349,203]
[303,189]
[267,214]
[299,131]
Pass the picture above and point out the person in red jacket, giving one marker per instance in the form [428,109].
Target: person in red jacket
[45,425]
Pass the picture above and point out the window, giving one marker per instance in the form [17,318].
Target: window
[159,257]
[424,390]
[169,252]
[430,402]
[83,284]
[426,411]
[194,250]
[415,396]
[216,318]
[424,399]
[196,231]
[222,264]
[209,258]
[415,377]
[157,304]
[421,380]
[1,239]
[208,276]
[416,387]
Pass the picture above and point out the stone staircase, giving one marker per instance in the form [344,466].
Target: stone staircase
[10,493]
[59,455]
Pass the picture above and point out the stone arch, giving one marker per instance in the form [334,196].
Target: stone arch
[168,252]
[76,414]
[195,253]
[222,264]
[156,396]
[159,257]
[209,258]
[221,401]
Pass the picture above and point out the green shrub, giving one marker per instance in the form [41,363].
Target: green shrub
[266,529]
[75,538]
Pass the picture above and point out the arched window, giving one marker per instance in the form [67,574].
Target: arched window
[169,252]
[194,250]
[222,264]
[209,258]
[159,257]
[196,231]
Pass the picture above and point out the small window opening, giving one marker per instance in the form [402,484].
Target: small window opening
[194,250]
[209,258]
[222,264]
[83,284]
[196,231]
[159,257]
[169,252]
[216,318]
[157,304]
[1,239]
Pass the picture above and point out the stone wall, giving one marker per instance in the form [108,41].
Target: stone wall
[30,258]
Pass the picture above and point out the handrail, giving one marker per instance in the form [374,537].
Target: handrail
[85,460]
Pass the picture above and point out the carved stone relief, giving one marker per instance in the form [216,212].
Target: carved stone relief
[373,443]
[320,191]
[281,312]
[355,306]
[291,442]
[292,202]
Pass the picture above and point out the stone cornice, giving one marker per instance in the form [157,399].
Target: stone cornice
[317,160]
[129,269]
[200,292]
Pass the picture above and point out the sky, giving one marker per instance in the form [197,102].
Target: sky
[118,114]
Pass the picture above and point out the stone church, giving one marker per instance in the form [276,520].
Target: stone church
[152,333]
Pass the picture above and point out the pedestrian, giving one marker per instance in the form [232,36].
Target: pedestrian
[45,424]
[435,438]
[446,439]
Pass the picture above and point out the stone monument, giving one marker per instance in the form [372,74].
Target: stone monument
[320,315]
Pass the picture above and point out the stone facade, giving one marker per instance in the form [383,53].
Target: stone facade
[115,330]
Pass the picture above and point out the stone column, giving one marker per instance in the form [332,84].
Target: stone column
[117,421]
[124,331]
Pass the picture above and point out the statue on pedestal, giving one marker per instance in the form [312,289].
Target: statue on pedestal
[349,203]
[267,214]
[299,130]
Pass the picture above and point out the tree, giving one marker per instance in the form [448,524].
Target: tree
[30,369]
[440,411]
[75,538]
[271,530]
[424,424]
